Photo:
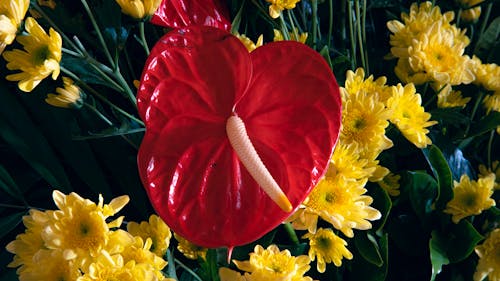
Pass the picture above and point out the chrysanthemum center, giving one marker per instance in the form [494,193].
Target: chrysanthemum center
[323,243]
[469,200]
[41,55]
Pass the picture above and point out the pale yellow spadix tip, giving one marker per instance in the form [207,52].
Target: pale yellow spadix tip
[283,202]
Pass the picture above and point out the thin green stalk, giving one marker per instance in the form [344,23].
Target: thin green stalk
[98,113]
[125,85]
[351,34]
[330,24]
[143,38]
[71,53]
[297,23]
[490,144]
[363,26]
[291,233]
[459,13]
[2,205]
[186,268]
[474,109]
[314,24]
[284,28]
[485,20]
[99,34]
[360,39]
[99,96]
[294,29]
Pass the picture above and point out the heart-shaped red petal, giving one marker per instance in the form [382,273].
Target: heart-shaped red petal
[195,80]
[182,13]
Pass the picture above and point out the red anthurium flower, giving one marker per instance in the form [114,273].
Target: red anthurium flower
[198,80]
[182,13]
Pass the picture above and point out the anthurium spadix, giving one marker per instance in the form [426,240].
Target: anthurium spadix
[215,114]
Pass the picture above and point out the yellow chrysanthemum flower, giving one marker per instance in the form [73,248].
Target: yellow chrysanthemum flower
[489,258]
[364,119]
[190,250]
[356,82]
[416,23]
[343,204]
[79,227]
[409,116]
[50,266]
[139,9]
[327,247]
[67,97]
[470,197]
[471,15]
[41,58]
[302,37]
[448,97]
[11,15]
[249,44]
[272,264]
[279,5]
[439,55]
[139,252]
[227,274]
[407,75]
[487,75]
[114,267]
[495,169]
[156,229]
[390,183]
[492,102]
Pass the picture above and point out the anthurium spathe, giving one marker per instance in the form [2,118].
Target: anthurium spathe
[197,80]
[182,13]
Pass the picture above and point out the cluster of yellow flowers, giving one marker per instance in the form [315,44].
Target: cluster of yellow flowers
[431,50]
[76,242]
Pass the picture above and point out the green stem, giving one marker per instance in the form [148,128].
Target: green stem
[99,96]
[459,13]
[125,85]
[352,39]
[474,109]
[291,233]
[360,39]
[314,24]
[490,144]
[186,268]
[143,38]
[330,24]
[2,205]
[486,18]
[99,34]
[294,29]
[98,113]
[363,26]
[284,29]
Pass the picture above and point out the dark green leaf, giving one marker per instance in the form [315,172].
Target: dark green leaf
[452,116]
[437,246]
[209,269]
[8,184]
[382,202]
[326,55]
[368,248]
[85,71]
[367,271]
[463,237]
[422,193]
[8,223]
[442,173]
[488,39]
[485,124]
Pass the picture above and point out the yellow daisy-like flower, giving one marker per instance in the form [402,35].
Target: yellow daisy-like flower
[227,274]
[51,266]
[11,15]
[139,9]
[390,183]
[343,204]
[448,97]
[279,5]
[407,75]
[416,23]
[190,250]
[487,75]
[327,247]
[471,15]
[348,163]
[300,37]
[439,55]
[139,252]
[356,82]
[409,116]
[492,102]
[470,197]
[156,229]
[41,58]
[272,264]
[495,169]
[114,267]
[249,44]
[364,119]
[489,258]
[67,97]
[79,227]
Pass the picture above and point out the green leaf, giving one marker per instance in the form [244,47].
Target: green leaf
[368,248]
[8,223]
[452,116]
[325,53]
[8,184]
[486,124]
[209,269]
[422,193]
[488,39]
[442,173]
[382,202]
[367,271]
[437,247]
[462,239]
